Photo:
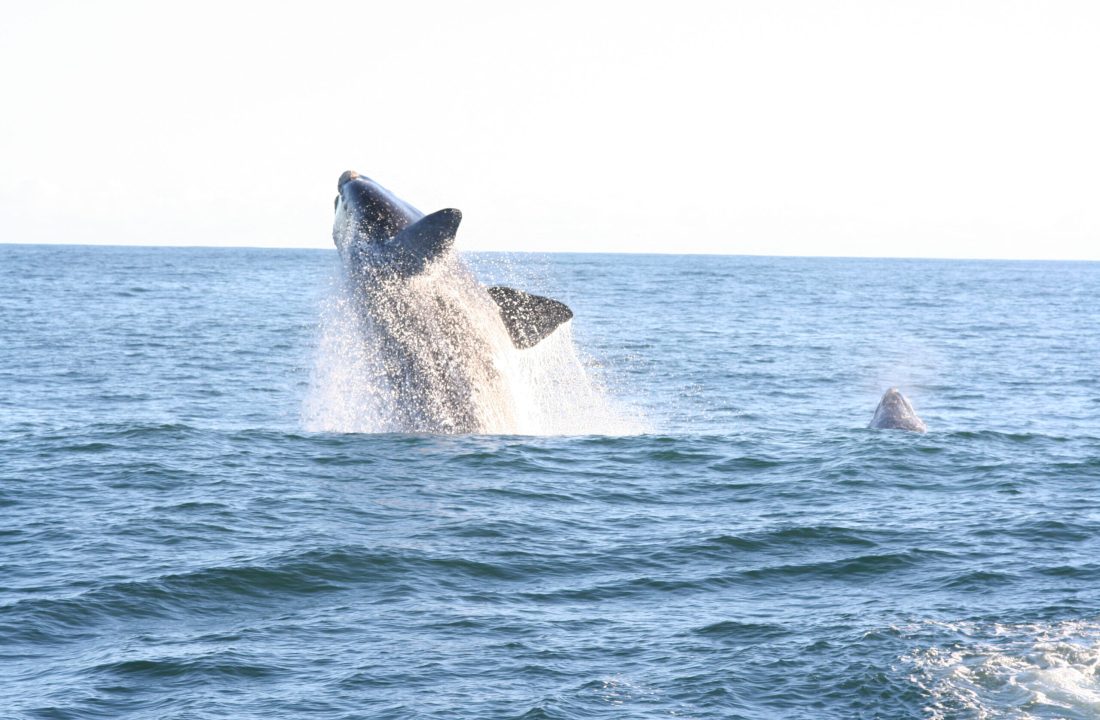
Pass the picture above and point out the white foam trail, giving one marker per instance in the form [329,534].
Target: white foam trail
[445,325]
[1013,671]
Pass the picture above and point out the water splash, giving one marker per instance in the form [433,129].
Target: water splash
[430,354]
[1025,671]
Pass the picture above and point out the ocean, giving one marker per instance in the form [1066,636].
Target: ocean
[202,515]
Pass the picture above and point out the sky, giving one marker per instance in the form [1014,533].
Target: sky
[779,127]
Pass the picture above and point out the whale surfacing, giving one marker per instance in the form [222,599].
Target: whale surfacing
[894,412]
[440,340]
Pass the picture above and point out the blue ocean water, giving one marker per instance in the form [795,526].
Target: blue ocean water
[177,542]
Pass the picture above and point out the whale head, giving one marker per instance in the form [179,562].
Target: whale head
[367,212]
[377,232]
[894,412]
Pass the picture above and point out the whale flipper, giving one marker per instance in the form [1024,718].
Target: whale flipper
[894,412]
[421,242]
[529,318]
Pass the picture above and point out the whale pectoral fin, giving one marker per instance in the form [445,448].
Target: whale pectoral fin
[529,318]
[422,242]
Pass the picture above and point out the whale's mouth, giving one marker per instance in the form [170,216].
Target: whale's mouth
[348,175]
[345,178]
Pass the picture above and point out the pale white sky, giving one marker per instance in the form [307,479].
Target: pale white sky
[924,128]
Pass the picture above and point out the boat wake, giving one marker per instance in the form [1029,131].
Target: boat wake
[1005,671]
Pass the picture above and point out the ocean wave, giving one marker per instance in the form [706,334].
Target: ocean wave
[1002,671]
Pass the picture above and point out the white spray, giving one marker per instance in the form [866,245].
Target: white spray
[431,354]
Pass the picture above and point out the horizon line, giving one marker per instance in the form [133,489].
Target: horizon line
[571,252]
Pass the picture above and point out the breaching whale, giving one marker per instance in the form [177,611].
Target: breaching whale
[894,412]
[439,338]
